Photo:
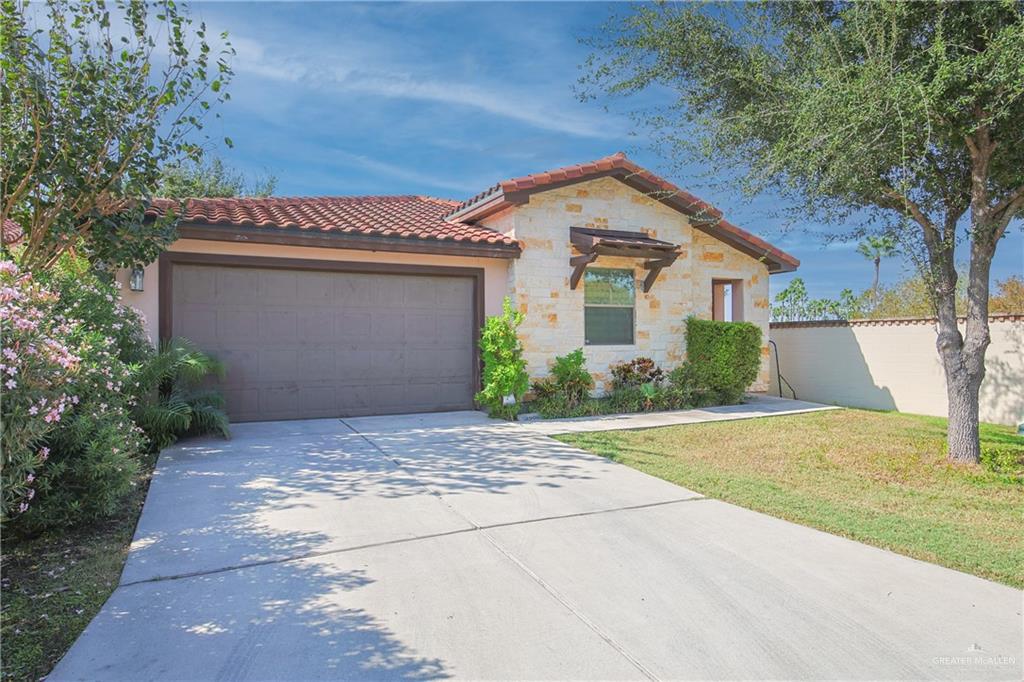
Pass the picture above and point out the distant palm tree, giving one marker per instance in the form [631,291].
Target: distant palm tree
[875,249]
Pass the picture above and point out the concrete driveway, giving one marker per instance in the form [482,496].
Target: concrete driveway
[448,545]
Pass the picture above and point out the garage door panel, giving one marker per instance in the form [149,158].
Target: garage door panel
[279,402]
[420,294]
[354,400]
[354,288]
[278,365]
[198,324]
[353,325]
[278,286]
[452,330]
[236,285]
[353,365]
[241,366]
[388,292]
[315,326]
[387,328]
[387,365]
[200,287]
[237,326]
[317,401]
[317,288]
[278,327]
[317,365]
[451,292]
[421,329]
[242,403]
[305,344]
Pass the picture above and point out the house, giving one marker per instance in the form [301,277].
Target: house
[335,306]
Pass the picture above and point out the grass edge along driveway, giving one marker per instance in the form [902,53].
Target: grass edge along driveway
[876,477]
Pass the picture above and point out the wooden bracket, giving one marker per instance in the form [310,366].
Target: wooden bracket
[654,268]
[579,264]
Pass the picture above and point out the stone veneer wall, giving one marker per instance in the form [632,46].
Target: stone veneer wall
[539,279]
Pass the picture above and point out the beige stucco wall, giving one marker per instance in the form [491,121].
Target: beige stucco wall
[495,270]
[897,368]
[539,279]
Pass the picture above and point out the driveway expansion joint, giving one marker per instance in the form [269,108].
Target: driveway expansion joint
[401,541]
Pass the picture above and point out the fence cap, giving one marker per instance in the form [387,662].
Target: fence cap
[889,321]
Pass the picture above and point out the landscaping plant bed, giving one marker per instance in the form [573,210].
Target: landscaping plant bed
[54,584]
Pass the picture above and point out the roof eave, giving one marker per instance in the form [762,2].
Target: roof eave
[341,240]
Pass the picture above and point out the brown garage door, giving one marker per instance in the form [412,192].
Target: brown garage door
[300,344]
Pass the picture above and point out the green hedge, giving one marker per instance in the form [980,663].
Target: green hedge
[724,357]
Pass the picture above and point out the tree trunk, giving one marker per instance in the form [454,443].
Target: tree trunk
[962,428]
[963,355]
[874,285]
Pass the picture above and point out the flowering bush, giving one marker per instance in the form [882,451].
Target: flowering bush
[37,370]
[94,450]
[70,446]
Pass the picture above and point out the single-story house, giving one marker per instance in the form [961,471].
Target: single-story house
[336,306]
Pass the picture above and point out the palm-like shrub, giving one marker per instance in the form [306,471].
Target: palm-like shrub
[173,402]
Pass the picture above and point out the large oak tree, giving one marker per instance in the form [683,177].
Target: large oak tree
[910,113]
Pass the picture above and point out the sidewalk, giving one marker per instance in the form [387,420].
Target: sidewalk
[755,406]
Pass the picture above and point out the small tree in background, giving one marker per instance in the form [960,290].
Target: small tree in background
[504,367]
[911,113]
[210,179]
[89,117]
[875,248]
[1009,297]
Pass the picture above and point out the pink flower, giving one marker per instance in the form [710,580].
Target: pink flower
[11,383]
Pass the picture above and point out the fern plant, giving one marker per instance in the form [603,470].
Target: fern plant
[172,401]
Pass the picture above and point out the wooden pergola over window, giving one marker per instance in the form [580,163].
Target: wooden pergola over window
[592,243]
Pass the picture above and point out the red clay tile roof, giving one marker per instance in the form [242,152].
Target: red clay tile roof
[395,217]
[706,217]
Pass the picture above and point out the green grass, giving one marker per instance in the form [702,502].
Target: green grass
[53,585]
[878,477]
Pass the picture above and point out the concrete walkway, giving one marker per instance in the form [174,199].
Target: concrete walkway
[754,405]
[452,546]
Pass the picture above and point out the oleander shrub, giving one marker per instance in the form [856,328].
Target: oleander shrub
[93,449]
[37,368]
[504,374]
[722,359]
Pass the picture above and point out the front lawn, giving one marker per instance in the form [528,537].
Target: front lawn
[54,584]
[880,478]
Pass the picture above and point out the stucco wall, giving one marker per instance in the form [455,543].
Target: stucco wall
[896,367]
[495,275]
[539,279]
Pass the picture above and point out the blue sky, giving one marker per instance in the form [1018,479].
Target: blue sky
[446,99]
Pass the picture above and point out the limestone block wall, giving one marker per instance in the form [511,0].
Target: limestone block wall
[539,279]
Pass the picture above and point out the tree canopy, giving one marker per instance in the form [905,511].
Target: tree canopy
[97,98]
[210,178]
[911,113]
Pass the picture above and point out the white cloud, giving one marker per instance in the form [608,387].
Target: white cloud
[399,73]
[402,173]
